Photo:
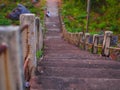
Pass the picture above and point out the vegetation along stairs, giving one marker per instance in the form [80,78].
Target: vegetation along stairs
[66,67]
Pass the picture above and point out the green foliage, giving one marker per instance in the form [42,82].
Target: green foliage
[4,21]
[102,25]
[39,54]
[72,17]
[94,32]
[9,5]
[74,30]
[113,27]
[98,6]
[67,22]
[40,11]
[93,26]
[104,14]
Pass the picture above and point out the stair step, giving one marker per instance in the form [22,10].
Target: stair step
[71,56]
[82,72]
[49,48]
[66,67]
[82,63]
[60,83]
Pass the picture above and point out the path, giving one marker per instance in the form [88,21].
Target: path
[66,67]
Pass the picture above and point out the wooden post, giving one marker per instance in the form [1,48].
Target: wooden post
[88,14]
[39,34]
[77,39]
[69,37]
[95,43]
[87,35]
[106,43]
[81,39]
[72,38]
[63,31]
[29,40]
[11,61]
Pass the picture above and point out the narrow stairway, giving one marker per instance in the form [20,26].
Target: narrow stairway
[66,67]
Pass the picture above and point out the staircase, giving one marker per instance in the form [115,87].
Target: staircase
[66,67]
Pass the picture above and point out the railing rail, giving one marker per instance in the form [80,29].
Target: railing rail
[113,48]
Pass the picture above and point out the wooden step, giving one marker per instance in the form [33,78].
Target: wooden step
[82,72]
[70,83]
[71,56]
[81,63]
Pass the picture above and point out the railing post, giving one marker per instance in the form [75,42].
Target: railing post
[87,35]
[29,40]
[77,37]
[81,40]
[64,31]
[39,34]
[95,43]
[11,61]
[106,43]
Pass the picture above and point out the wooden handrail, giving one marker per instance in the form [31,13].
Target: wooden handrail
[114,48]
[89,44]
[99,46]
[100,36]
[84,41]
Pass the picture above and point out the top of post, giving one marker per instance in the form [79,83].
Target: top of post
[27,14]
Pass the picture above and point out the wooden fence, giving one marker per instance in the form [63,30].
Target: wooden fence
[82,40]
[18,47]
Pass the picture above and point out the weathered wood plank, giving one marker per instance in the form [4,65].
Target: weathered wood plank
[39,34]
[106,43]
[29,43]
[11,59]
